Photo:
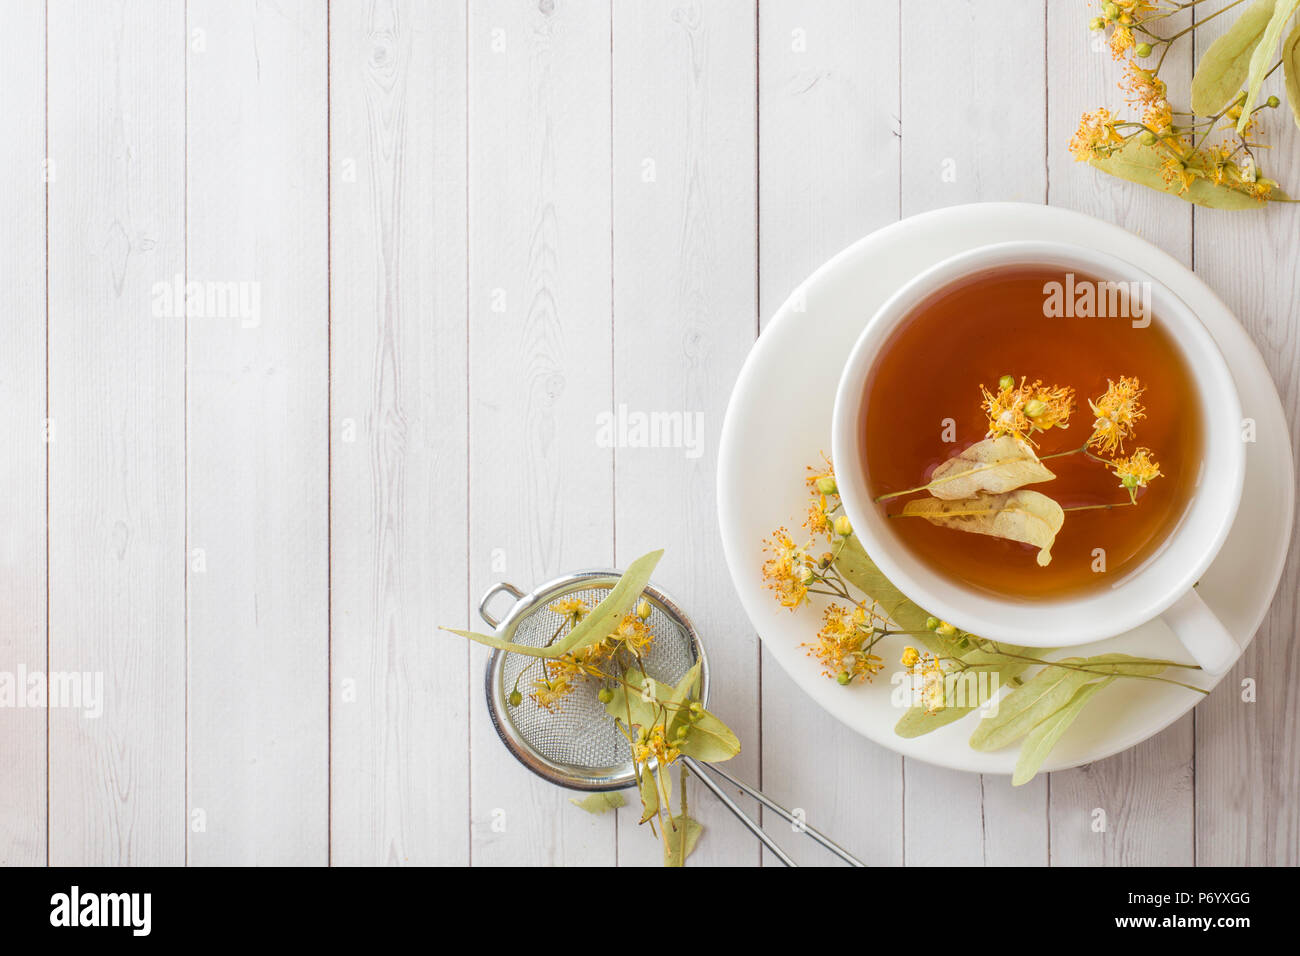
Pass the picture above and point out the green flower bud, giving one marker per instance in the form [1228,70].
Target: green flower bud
[931,623]
[515,698]
[1148,138]
[643,610]
[945,629]
[1111,11]
[843,677]
[605,695]
[1035,408]
[1273,102]
[826,485]
[843,526]
[696,707]
[1006,381]
[1142,49]
[1097,23]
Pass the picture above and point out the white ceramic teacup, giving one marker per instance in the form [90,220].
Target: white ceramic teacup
[1163,586]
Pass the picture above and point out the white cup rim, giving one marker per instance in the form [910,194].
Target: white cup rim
[1142,594]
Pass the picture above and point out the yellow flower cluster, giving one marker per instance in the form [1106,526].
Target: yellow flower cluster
[789,569]
[840,645]
[653,743]
[562,675]
[1184,156]
[1135,471]
[1020,410]
[1117,411]
[1096,136]
[930,670]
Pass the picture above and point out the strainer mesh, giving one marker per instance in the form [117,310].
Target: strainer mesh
[578,732]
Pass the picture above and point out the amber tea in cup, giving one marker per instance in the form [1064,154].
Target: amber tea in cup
[922,405]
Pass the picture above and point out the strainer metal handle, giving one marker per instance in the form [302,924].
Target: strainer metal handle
[493,592]
[750,824]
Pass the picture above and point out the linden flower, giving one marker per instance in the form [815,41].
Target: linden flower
[633,633]
[1135,471]
[1095,136]
[654,743]
[789,570]
[1121,41]
[555,684]
[1143,87]
[839,643]
[575,609]
[823,480]
[819,520]
[1117,411]
[1159,116]
[933,678]
[1018,410]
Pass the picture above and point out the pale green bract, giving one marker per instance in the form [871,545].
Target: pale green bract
[1039,709]
[1142,165]
[599,802]
[683,836]
[1291,70]
[1262,58]
[1226,64]
[599,623]
[994,465]
[1043,738]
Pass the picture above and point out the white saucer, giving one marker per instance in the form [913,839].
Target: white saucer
[778,421]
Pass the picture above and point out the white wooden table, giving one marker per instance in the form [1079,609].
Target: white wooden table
[467,229]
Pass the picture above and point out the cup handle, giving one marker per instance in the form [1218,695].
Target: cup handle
[1205,638]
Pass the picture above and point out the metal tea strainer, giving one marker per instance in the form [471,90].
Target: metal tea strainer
[578,746]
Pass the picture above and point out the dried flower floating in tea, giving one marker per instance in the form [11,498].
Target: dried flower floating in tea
[980,490]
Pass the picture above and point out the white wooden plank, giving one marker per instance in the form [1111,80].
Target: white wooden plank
[956,123]
[22,429]
[400,710]
[257,400]
[828,174]
[684,181]
[1145,793]
[117,404]
[541,490]
[1248,753]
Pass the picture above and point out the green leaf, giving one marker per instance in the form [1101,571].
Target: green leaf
[1141,164]
[632,704]
[687,688]
[1291,67]
[915,722]
[600,802]
[1024,708]
[994,465]
[1043,738]
[680,840]
[1026,516]
[1123,665]
[1262,58]
[859,570]
[856,567]
[710,740]
[649,790]
[1226,64]
[599,623]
